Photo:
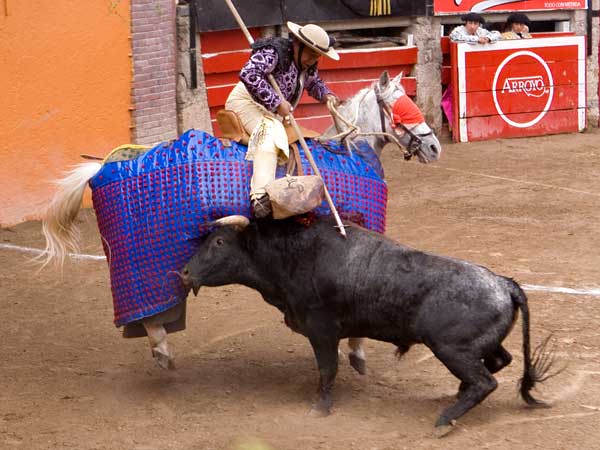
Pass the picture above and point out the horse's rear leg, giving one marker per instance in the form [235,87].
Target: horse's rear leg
[157,335]
[357,355]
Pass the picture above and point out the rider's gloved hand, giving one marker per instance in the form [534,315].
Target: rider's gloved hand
[284,109]
[333,99]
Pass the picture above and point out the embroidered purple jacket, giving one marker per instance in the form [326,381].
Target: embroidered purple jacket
[264,61]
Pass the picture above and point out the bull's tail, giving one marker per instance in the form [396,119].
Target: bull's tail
[537,367]
[58,226]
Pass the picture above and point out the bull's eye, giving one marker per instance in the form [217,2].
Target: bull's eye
[219,241]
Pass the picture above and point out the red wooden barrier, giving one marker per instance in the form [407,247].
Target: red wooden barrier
[225,52]
[518,88]
[446,69]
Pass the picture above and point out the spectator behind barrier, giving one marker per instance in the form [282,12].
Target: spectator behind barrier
[472,31]
[517,27]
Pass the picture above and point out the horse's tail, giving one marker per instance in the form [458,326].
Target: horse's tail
[58,226]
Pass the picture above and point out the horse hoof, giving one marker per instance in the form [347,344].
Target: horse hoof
[163,361]
[359,364]
[443,430]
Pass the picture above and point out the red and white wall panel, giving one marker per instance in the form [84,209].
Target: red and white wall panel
[519,88]
[225,52]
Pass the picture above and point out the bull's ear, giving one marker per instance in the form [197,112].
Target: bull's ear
[197,240]
[384,80]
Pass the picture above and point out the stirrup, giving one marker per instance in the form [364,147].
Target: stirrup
[261,206]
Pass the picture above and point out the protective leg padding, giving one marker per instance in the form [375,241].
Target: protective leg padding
[264,168]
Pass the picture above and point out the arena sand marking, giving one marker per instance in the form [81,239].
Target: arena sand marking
[514,180]
[595,292]
[37,251]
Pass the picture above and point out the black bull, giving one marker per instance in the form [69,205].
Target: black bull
[329,288]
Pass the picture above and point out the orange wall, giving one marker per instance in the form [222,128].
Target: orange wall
[65,81]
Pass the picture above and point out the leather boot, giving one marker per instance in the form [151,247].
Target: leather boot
[264,166]
[261,205]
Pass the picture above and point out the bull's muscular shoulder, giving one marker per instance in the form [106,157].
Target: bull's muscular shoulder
[321,238]
[363,253]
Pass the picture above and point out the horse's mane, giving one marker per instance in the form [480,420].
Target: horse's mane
[365,99]
[350,108]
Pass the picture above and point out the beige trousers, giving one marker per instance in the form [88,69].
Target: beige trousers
[268,140]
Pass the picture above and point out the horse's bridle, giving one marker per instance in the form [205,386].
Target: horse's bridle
[415,141]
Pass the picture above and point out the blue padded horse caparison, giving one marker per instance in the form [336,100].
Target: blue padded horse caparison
[151,209]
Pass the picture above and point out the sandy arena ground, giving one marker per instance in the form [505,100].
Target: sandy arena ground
[526,208]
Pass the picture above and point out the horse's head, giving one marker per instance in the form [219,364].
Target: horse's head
[409,127]
[369,112]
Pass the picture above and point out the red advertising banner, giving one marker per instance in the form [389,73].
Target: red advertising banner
[462,6]
[519,88]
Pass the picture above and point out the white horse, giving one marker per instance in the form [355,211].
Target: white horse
[362,114]
[368,112]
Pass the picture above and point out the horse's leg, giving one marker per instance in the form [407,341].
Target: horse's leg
[157,335]
[357,355]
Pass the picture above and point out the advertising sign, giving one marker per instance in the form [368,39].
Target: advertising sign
[520,88]
[463,6]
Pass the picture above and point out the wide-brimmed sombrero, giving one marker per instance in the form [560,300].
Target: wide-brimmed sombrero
[315,37]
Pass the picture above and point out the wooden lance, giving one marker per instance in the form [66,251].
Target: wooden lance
[293,122]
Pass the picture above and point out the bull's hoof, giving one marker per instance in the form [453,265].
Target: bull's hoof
[538,404]
[444,429]
[359,364]
[163,361]
[319,412]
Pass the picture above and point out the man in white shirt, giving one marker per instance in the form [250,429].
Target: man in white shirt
[472,32]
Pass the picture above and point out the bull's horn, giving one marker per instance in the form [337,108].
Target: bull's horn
[237,221]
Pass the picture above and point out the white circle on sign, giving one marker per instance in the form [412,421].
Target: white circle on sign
[550,96]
